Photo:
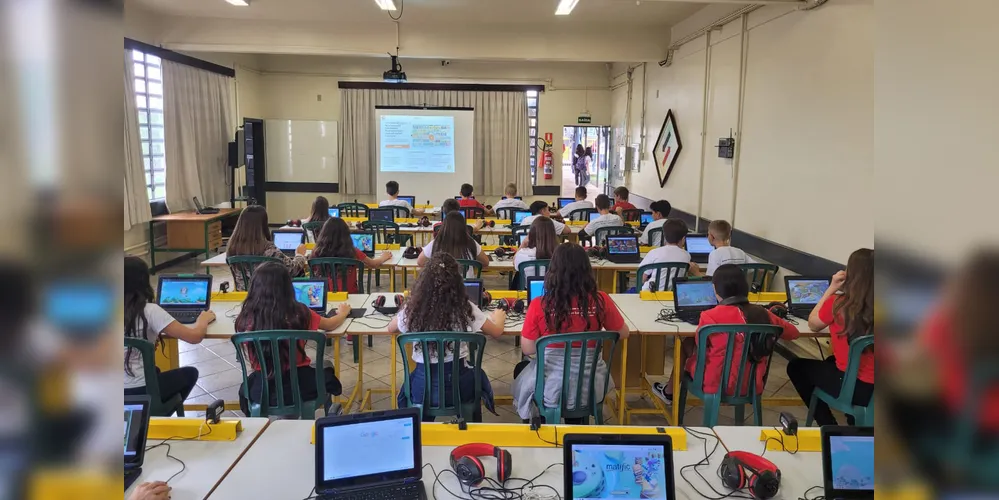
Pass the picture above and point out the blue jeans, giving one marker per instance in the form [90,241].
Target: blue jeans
[466,388]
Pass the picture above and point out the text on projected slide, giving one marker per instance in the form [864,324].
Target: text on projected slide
[417,144]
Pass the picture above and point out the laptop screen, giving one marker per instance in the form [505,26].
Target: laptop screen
[364,242]
[698,244]
[408,199]
[473,287]
[695,294]
[535,288]
[622,245]
[334,212]
[79,307]
[360,449]
[184,292]
[311,293]
[520,215]
[852,464]
[136,421]
[620,471]
[806,291]
[646,218]
[287,241]
[594,215]
[562,202]
[523,236]
[381,214]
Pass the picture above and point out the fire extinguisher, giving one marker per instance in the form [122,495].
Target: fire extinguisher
[546,154]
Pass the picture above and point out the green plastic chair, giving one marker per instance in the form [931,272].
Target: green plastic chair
[539,267]
[582,214]
[312,229]
[594,403]
[760,276]
[505,213]
[473,213]
[656,236]
[863,415]
[336,271]
[744,366]
[400,212]
[672,270]
[474,264]
[631,215]
[600,237]
[244,265]
[157,407]
[353,210]
[469,410]
[297,408]
[386,233]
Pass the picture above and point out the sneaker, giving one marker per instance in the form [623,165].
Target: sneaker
[659,389]
[350,339]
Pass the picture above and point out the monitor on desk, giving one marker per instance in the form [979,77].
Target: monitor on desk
[474,289]
[848,462]
[311,292]
[368,449]
[364,242]
[408,199]
[803,290]
[697,295]
[521,238]
[618,466]
[288,240]
[381,214]
[646,218]
[520,215]
[334,212]
[535,288]
[594,216]
[562,202]
[698,246]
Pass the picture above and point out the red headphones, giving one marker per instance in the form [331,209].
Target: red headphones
[488,223]
[466,464]
[741,469]
[778,309]
[294,223]
[380,300]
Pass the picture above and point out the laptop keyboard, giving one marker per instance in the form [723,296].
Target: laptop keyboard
[185,317]
[400,492]
[693,318]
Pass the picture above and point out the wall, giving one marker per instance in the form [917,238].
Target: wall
[803,179]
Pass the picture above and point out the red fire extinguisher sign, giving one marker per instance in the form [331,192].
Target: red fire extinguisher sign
[546,154]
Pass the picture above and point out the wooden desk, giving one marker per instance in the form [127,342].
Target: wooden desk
[189,232]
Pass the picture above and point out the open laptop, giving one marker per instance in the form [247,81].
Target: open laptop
[699,248]
[520,239]
[408,199]
[562,202]
[287,240]
[312,293]
[618,466]
[519,216]
[646,219]
[474,288]
[803,293]
[372,455]
[334,212]
[535,288]
[691,298]
[593,216]
[203,210]
[136,427]
[848,462]
[381,214]
[364,242]
[623,249]
[184,296]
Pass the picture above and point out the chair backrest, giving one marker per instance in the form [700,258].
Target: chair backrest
[741,361]
[312,229]
[400,212]
[505,213]
[857,348]
[243,266]
[538,269]
[271,369]
[353,210]
[656,236]
[600,238]
[663,274]
[760,276]
[586,378]
[582,214]
[448,403]
[147,351]
[473,213]
[474,264]
[338,272]
[385,232]
[631,215]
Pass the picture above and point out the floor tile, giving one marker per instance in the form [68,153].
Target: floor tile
[203,399]
[221,380]
[512,356]
[211,367]
[197,391]
[230,394]
[195,355]
[223,350]
[498,369]
[377,370]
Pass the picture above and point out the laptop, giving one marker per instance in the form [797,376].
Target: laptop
[699,248]
[848,462]
[408,199]
[562,202]
[646,219]
[203,210]
[381,214]
[803,293]
[691,298]
[288,240]
[312,293]
[521,237]
[474,289]
[519,216]
[364,242]
[535,288]
[623,249]
[136,427]
[334,212]
[184,296]
[618,466]
[372,455]
[593,216]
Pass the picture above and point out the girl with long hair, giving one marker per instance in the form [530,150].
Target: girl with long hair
[847,308]
[455,240]
[252,236]
[438,303]
[571,304]
[539,245]
[334,241]
[320,210]
[144,319]
[271,305]
[732,292]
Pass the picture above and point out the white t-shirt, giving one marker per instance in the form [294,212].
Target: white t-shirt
[576,205]
[478,319]
[644,238]
[396,203]
[726,255]
[510,203]
[607,220]
[559,227]
[668,253]
[524,255]
[156,321]
[428,252]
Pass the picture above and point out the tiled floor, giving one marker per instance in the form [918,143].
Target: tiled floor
[220,376]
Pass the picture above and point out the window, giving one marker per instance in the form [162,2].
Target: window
[149,100]
[532,133]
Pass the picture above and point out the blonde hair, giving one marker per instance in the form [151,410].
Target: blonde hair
[721,230]
[511,190]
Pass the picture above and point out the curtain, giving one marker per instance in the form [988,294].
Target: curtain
[136,196]
[500,148]
[197,114]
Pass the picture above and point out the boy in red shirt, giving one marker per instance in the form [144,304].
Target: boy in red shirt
[621,203]
[468,201]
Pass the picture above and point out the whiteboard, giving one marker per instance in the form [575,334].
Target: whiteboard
[302,151]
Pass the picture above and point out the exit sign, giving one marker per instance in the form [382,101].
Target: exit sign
[584,118]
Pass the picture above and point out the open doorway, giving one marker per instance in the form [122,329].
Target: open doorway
[598,139]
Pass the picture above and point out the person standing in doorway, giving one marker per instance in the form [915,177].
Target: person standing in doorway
[578,164]
[587,162]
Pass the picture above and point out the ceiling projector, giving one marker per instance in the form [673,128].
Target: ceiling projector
[396,74]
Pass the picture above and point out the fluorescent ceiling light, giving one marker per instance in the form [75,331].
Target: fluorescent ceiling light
[565,7]
[239,3]
[385,4]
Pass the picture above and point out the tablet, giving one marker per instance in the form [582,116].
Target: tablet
[848,461]
[618,466]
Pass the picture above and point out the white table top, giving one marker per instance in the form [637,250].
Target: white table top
[219,260]
[799,471]
[206,461]
[226,312]
[374,322]
[643,314]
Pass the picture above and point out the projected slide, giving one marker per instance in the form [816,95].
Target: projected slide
[618,472]
[417,144]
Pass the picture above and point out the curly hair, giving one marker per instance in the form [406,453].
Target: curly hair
[438,301]
[571,290]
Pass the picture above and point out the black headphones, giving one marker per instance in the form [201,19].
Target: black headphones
[516,305]
[503,252]
[741,469]
[424,221]
[466,464]
[762,347]
[486,299]
[380,301]
[596,252]
[411,252]
[778,309]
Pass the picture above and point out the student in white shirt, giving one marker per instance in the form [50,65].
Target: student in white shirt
[510,200]
[539,245]
[660,210]
[720,237]
[580,203]
[674,234]
[540,209]
[453,239]
[606,218]
[392,189]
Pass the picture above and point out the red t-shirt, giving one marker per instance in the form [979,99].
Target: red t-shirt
[717,344]
[841,344]
[302,358]
[470,202]
[624,205]
[535,326]
[938,338]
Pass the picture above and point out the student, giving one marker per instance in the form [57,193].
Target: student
[621,202]
[571,304]
[334,241]
[439,303]
[539,244]
[660,210]
[468,201]
[729,283]
[252,237]
[606,219]
[451,205]
[453,239]
[320,210]
[392,189]
[271,305]
[847,308]
[720,237]
[144,319]
[674,234]
[540,209]
[580,203]
[510,200]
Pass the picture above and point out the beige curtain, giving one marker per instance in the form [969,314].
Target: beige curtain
[136,196]
[500,147]
[197,115]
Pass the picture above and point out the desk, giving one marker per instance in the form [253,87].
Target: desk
[390,265]
[207,461]
[189,232]
[799,471]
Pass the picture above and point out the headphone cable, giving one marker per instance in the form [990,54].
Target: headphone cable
[704,461]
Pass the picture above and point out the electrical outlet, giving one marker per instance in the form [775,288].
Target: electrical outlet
[319,98]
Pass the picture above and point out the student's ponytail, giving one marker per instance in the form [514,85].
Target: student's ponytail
[732,286]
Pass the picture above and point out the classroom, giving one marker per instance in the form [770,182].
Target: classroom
[366,183]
